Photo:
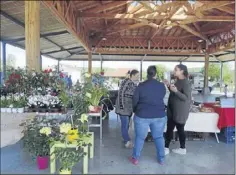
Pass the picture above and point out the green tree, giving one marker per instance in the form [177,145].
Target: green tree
[228,77]
[161,69]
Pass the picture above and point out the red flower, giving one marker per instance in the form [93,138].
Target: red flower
[102,73]
[61,75]
[45,71]
[50,70]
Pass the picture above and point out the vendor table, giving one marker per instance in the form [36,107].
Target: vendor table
[226,115]
[92,115]
[72,145]
[202,122]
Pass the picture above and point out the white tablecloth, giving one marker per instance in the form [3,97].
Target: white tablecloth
[201,122]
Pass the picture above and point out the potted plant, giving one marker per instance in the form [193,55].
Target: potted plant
[68,157]
[65,99]
[93,96]
[36,141]
[21,105]
[3,103]
[9,104]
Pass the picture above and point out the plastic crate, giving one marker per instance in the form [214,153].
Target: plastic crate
[228,134]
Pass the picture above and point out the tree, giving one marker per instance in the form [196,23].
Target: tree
[228,77]
[161,69]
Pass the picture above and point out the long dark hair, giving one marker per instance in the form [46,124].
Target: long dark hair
[184,69]
[151,72]
[133,72]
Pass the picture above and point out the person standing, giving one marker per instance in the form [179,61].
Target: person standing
[149,110]
[124,105]
[70,82]
[178,108]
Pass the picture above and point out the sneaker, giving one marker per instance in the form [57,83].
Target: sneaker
[181,151]
[133,161]
[129,145]
[167,151]
[161,163]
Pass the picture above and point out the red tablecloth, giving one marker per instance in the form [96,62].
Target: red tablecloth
[226,115]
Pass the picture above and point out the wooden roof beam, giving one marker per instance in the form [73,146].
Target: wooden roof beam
[154,16]
[226,9]
[190,30]
[147,5]
[107,6]
[211,5]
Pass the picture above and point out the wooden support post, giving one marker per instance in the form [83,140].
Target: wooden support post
[90,62]
[58,66]
[32,34]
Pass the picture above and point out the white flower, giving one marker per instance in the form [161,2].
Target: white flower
[50,74]
[65,127]
[84,118]
[88,95]
[45,130]
[33,74]
[87,75]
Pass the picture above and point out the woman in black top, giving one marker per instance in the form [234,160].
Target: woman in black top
[178,107]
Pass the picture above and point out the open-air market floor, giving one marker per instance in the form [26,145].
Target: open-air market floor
[203,157]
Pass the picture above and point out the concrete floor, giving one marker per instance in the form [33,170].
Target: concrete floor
[203,157]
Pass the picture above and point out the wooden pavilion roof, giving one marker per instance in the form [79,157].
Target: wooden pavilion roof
[124,29]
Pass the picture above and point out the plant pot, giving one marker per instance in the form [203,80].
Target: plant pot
[20,110]
[8,110]
[73,135]
[14,110]
[42,162]
[3,109]
[62,171]
[94,109]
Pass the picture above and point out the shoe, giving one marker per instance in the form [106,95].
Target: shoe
[133,161]
[161,163]
[129,145]
[181,151]
[167,151]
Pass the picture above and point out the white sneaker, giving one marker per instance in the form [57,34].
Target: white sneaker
[129,144]
[180,151]
[167,151]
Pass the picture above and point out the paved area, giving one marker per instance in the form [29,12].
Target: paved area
[204,157]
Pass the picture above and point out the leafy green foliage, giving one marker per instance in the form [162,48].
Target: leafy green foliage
[68,157]
[35,143]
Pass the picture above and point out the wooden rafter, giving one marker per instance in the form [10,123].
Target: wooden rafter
[211,5]
[226,9]
[65,12]
[189,29]
[107,6]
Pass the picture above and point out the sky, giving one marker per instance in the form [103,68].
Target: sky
[48,62]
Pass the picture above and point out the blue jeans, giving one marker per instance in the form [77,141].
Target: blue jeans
[125,128]
[157,126]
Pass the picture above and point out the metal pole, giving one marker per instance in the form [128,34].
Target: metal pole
[141,70]
[221,75]
[4,61]
[101,60]
[58,66]
[41,62]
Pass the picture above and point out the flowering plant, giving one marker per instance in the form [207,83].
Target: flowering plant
[61,132]
[43,101]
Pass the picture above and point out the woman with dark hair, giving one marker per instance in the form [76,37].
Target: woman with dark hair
[178,108]
[149,109]
[124,104]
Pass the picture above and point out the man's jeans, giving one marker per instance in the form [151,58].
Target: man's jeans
[157,126]
[125,128]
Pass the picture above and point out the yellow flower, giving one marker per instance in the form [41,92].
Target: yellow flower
[88,95]
[65,127]
[45,130]
[84,118]
[87,75]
